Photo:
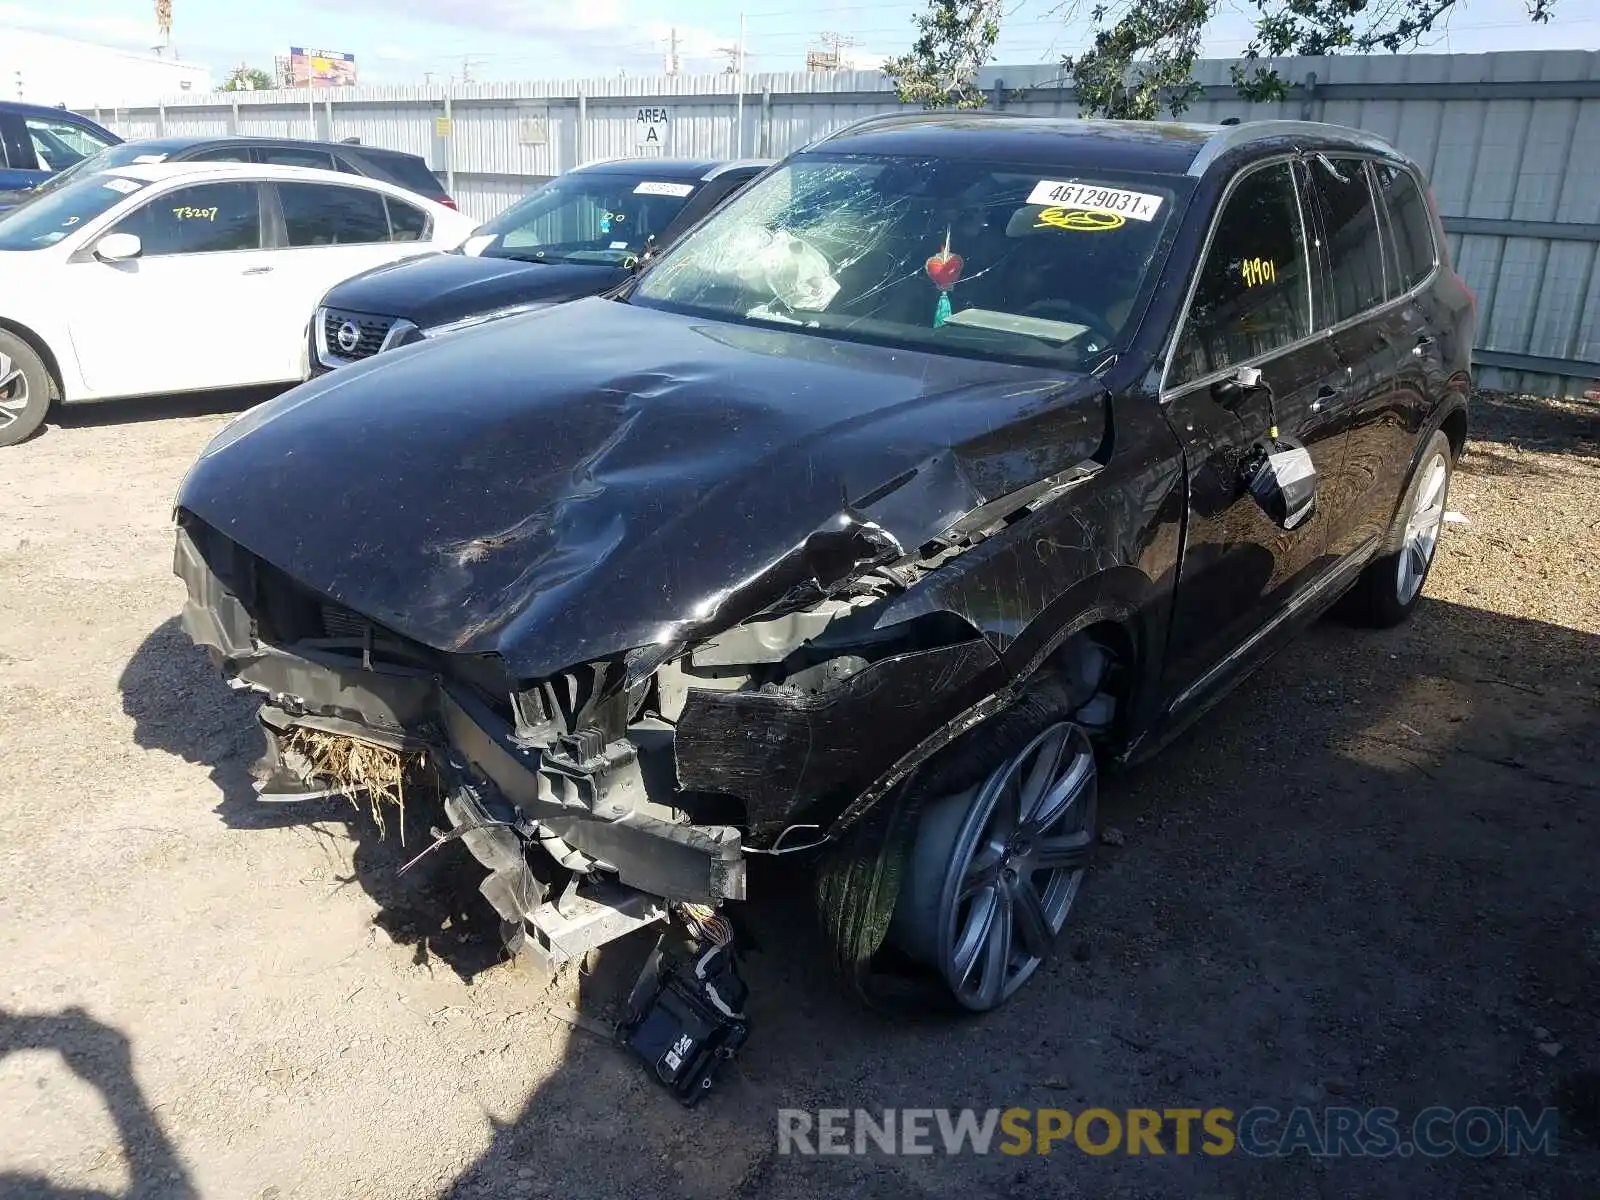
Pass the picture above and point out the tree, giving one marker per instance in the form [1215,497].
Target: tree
[954,39]
[1143,55]
[247,79]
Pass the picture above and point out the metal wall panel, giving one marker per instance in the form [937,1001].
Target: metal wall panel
[1511,136]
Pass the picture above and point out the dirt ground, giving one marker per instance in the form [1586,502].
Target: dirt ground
[1368,878]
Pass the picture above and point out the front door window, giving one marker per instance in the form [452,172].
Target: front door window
[1254,293]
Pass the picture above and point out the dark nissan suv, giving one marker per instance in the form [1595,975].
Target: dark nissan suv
[578,235]
[952,461]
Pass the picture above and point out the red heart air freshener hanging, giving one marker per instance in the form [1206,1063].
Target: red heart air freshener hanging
[944,268]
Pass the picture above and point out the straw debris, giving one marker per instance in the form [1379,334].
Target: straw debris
[357,768]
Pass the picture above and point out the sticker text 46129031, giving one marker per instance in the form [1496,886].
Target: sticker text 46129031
[1138,206]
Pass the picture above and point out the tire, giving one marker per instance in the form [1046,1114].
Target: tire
[879,892]
[25,389]
[1388,590]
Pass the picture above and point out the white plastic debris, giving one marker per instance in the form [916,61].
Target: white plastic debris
[1455,518]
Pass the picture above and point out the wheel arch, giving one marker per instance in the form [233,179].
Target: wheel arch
[1110,608]
[39,346]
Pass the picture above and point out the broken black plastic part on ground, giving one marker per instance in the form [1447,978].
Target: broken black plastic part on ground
[686,1013]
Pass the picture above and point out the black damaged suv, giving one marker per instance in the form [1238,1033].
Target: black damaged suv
[953,460]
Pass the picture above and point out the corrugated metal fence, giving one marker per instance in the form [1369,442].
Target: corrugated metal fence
[1511,141]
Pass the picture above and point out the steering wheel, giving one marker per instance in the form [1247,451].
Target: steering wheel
[1066,310]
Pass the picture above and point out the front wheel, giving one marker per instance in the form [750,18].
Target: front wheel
[24,390]
[949,894]
[1389,588]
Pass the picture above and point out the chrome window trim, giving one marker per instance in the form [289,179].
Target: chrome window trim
[1167,392]
[1231,137]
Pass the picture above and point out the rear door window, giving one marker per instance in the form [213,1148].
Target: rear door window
[1410,226]
[407,223]
[1253,295]
[408,171]
[316,214]
[1354,250]
[285,156]
[240,154]
[207,218]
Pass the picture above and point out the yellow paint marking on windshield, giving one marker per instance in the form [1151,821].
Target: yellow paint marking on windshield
[1082,219]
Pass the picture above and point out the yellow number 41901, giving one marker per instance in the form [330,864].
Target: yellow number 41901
[1257,271]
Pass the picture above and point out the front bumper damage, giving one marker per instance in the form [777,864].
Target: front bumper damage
[591,825]
[623,858]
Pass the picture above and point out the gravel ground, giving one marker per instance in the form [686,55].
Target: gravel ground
[1366,879]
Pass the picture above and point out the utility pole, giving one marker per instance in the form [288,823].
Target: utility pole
[672,52]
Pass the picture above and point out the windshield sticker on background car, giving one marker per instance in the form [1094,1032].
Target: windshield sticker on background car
[118,184]
[1082,219]
[663,189]
[1141,206]
[185,213]
[150,158]
[619,245]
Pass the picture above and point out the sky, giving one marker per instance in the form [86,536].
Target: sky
[417,41]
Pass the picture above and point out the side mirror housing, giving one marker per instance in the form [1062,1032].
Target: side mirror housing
[118,247]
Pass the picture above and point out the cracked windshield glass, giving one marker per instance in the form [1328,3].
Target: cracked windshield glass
[955,257]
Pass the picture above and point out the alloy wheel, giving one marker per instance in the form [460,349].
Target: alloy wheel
[1421,535]
[995,870]
[14,394]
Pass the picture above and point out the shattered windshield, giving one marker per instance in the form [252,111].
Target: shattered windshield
[950,256]
[603,218]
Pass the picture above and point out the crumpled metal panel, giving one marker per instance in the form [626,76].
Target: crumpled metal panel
[610,507]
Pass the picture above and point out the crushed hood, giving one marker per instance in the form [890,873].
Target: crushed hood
[573,483]
[446,287]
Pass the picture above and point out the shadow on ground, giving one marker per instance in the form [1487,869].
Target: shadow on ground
[157,408]
[1366,878]
[1533,423]
[100,1056]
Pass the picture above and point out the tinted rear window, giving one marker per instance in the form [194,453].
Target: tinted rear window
[316,214]
[408,171]
[1410,224]
[1355,250]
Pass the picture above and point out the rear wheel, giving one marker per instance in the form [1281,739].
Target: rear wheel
[24,389]
[1389,588]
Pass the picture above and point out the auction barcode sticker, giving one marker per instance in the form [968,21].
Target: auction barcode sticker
[1141,206]
[663,189]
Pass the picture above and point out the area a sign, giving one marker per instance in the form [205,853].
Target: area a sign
[650,129]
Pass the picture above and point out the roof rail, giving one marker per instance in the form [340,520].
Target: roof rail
[894,118]
[1230,137]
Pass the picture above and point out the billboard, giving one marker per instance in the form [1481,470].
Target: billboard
[321,68]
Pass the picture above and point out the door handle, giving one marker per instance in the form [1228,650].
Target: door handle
[257,271]
[1423,343]
[1325,395]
